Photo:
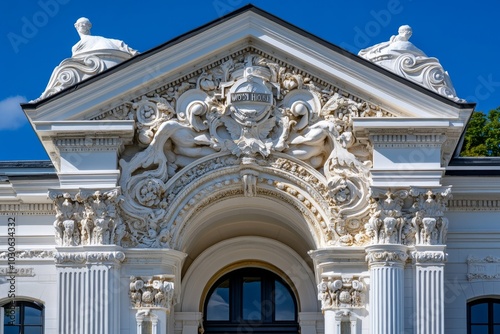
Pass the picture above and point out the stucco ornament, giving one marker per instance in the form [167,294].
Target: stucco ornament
[91,55]
[88,218]
[151,292]
[388,223]
[400,56]
[243,126]
[341,292]
[430,224]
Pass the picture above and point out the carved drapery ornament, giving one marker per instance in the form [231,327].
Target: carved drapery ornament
[88,218]
[151,292]
[241,114]
[341,292]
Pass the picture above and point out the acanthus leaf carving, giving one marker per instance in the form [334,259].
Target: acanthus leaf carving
[88,218]
[387,223]
[431,226]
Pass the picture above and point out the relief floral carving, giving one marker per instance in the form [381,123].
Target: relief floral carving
[151,292]
[341,292]
[88,218]
[430,224]
[246,109]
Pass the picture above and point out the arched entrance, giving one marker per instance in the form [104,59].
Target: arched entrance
[253,300]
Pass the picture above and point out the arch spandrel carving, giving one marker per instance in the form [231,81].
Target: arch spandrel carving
[247,126]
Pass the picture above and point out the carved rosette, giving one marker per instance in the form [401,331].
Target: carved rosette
[88,218]
[151,292]
[341,292]
[429,205]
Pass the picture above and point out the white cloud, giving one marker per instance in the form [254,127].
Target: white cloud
[11,114]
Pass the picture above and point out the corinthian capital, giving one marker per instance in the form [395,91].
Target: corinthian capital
[430,224]
[90,217]
[340,291]
[387,224]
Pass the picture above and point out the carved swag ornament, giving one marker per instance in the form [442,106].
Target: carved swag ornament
[247,114]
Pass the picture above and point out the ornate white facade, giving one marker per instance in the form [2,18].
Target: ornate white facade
[251,144]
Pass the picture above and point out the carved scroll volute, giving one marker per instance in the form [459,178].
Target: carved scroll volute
[429,222]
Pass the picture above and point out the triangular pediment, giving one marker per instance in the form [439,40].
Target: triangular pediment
[382,99]
[246,28]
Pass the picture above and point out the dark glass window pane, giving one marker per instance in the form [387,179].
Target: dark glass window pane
[11,315]
[496,329]
[252,301]
[496,313]
[283,303]
[12,330]
[32,330]
[479,314]
[218,304]
[32,316]
[479,329]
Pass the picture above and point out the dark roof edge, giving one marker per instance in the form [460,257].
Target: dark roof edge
[249,7]
[26,164]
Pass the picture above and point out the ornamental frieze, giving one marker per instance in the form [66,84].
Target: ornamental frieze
[151,292]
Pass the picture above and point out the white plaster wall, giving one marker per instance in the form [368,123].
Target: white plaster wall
[471,233]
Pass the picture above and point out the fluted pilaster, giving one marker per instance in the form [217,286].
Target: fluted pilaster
[429,289]
[88,287]
[386,264]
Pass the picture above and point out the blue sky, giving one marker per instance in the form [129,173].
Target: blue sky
[36,35]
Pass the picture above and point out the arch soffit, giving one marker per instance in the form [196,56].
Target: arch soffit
[223,254]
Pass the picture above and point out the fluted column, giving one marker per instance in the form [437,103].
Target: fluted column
[386,263]
[386,256]
[429,257]
[88,289]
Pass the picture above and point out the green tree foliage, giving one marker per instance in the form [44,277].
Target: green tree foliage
[482,137]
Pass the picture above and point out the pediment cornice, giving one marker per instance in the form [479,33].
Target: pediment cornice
[247,28]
